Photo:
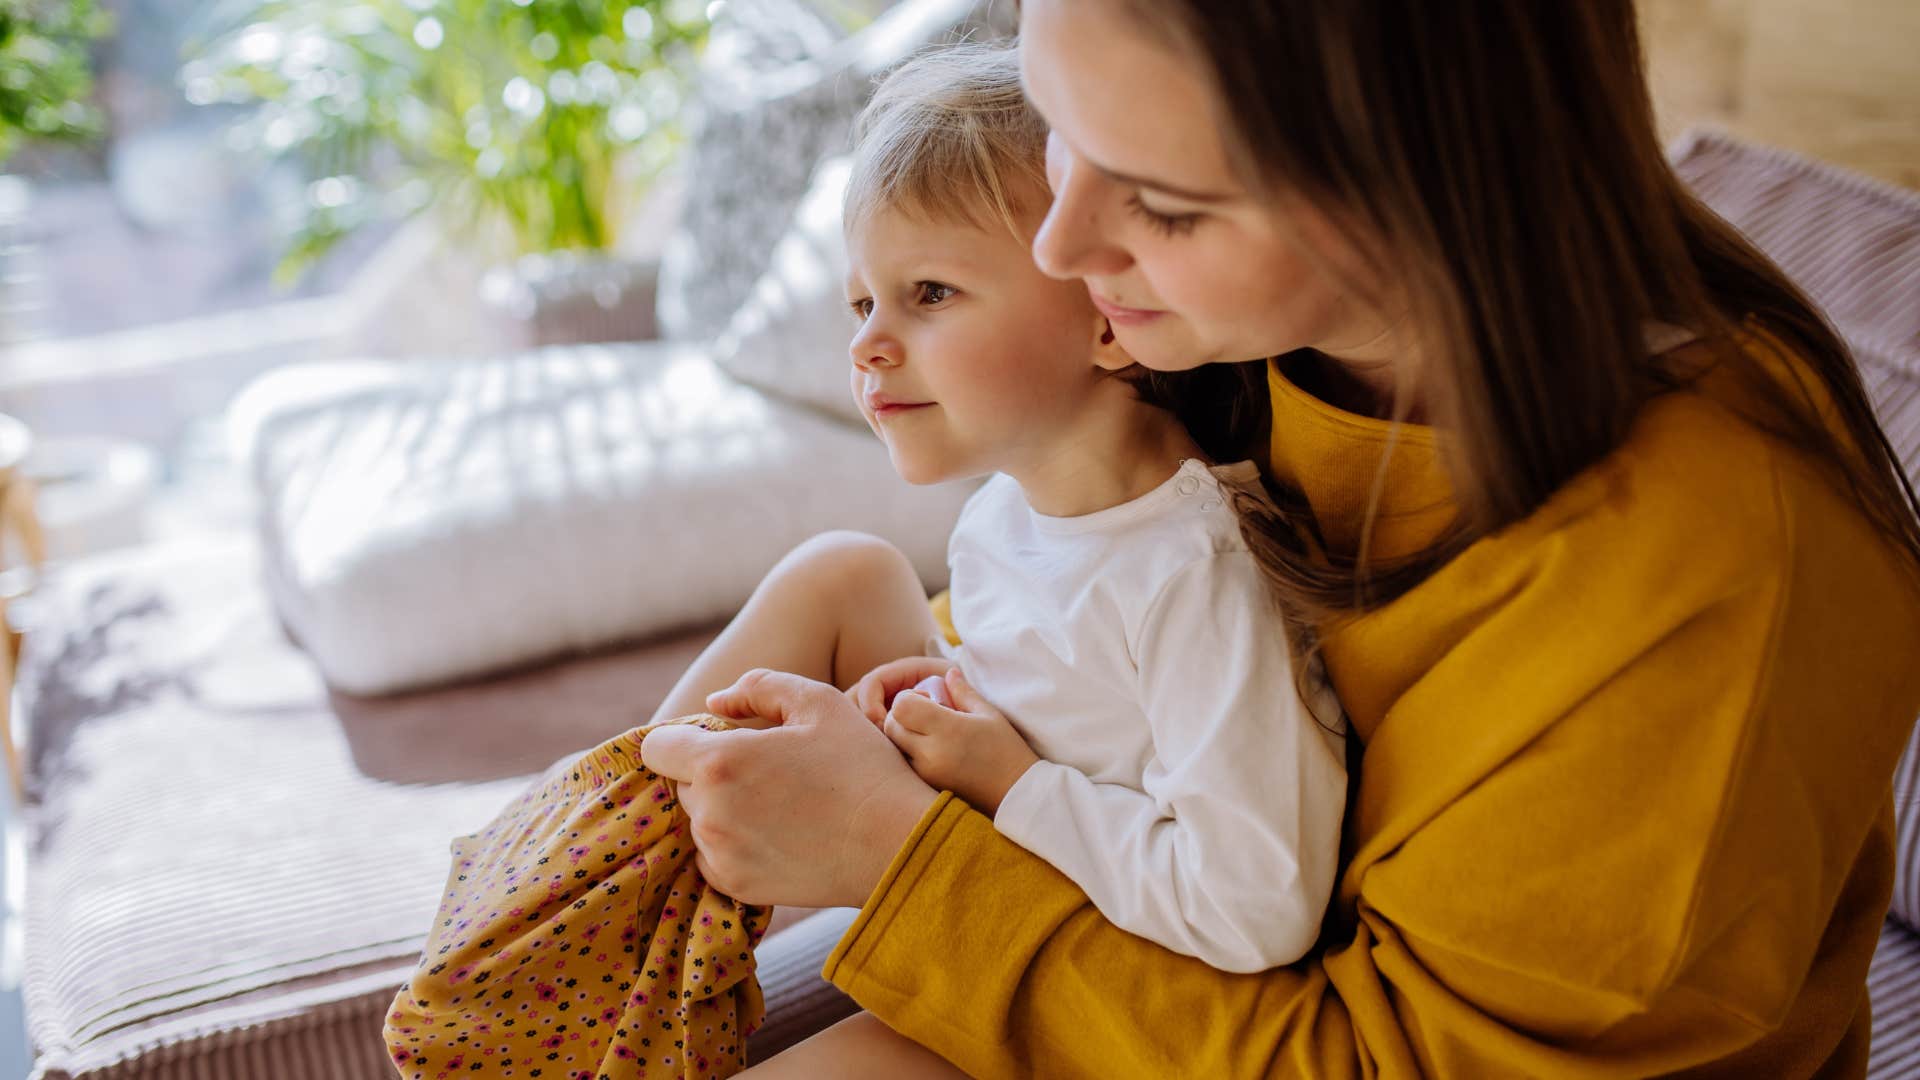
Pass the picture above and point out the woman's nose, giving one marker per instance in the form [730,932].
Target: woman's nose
[1071,242]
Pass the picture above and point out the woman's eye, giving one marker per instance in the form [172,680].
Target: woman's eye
[932,292]
[1168,224]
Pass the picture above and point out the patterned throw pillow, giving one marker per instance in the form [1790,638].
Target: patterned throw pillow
[779,91]
[790,337]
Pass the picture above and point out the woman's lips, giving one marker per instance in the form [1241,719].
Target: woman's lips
[1125,316]
[883,408]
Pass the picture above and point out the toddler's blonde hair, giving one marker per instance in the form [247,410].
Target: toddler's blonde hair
[949,137]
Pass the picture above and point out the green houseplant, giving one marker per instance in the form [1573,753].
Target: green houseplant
[530,123]
[46,79]
[46,92]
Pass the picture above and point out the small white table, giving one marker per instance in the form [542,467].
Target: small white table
[92,493]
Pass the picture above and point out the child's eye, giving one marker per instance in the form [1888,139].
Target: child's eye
[1168,224]
[861,308]
[932,292]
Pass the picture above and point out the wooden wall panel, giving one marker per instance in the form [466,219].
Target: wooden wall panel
[1837,79]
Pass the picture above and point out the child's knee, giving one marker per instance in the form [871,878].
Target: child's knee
[849,558]
[844,561]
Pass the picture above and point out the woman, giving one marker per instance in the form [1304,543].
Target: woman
[1603,548]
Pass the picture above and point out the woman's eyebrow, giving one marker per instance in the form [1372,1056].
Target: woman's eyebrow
[1159,185]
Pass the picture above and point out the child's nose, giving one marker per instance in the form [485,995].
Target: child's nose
[871,349]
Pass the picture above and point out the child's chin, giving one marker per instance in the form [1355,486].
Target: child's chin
[921,473]
[923,477]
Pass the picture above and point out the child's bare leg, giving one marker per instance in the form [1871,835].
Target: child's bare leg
[835,608]
[859,1046]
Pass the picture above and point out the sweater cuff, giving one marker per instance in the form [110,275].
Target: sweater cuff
[1023,808]
[890,895]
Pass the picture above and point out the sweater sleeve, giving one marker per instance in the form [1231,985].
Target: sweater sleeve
[1589,845]
[1227,850]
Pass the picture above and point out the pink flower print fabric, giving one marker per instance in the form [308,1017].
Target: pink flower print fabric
[577,941]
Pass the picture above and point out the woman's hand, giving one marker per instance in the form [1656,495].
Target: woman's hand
[969,749]
[808,812]
[875,692]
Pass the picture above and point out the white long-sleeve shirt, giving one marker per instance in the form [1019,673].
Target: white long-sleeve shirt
[1186,787]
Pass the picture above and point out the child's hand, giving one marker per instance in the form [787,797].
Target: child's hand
[874,694]
[970,749]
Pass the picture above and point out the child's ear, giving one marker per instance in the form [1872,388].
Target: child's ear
[1108,353]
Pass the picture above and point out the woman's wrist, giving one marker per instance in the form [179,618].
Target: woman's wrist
[881,828]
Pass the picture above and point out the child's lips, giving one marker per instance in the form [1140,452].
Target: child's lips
[883,406]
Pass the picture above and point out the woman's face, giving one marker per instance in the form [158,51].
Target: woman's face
[1189,265]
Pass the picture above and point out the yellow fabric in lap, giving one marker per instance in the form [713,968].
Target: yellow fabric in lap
[942,605]
[577,938]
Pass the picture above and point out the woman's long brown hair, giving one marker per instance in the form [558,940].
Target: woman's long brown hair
[1500,162]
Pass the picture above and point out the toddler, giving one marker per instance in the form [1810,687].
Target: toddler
[1120,697]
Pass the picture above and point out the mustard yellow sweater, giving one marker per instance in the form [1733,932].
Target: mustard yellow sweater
[1625,807]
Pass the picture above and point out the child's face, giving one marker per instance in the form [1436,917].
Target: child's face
[968,359]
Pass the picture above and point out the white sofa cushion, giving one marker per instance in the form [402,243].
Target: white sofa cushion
[427,521]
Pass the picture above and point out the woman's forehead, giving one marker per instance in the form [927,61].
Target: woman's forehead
[1136,107]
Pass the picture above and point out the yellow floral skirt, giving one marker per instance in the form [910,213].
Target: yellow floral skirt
[577,939]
